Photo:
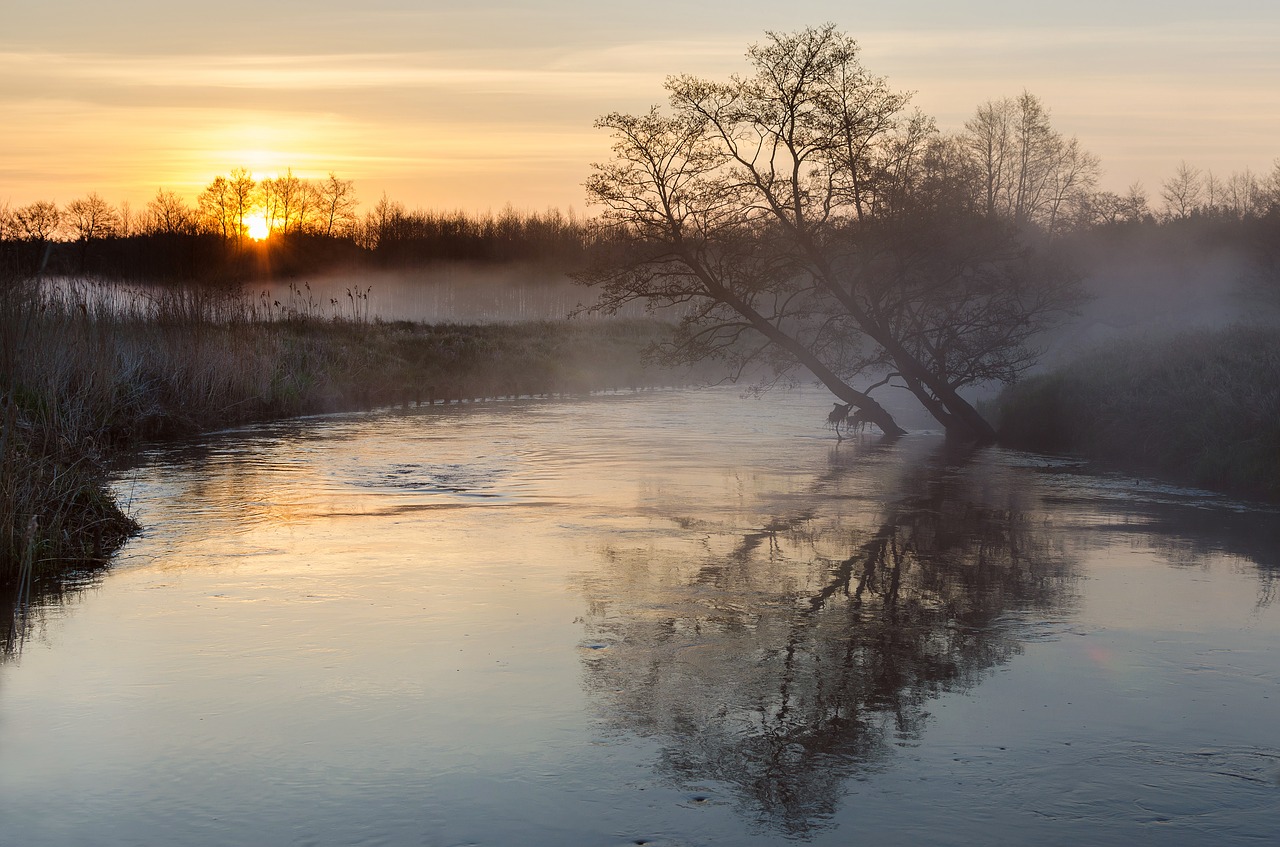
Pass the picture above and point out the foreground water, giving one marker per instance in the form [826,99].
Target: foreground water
[670,619]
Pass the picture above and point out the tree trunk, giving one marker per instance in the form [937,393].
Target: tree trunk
[870,409]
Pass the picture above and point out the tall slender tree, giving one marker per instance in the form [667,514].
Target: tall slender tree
[243,198]
[337,205]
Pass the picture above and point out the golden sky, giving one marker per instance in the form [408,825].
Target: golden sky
[473,106]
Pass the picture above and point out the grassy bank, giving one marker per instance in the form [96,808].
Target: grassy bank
[79,380]
[1202,408]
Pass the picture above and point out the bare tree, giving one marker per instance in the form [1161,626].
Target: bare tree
[989,135]
[8,227]
[1028,171]
[290,201]
[243,197]
[39,224]
[1107,207]
[217,209]
[1271,189]
[269,201]
[39,221]
[380,222]
[1242,194]
[808,219]
[1134,205]
[171,215]
[1213,189]
[92,217]
[337,201]
[128,220]
[1182,192]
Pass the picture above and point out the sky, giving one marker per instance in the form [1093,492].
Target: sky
[473,106]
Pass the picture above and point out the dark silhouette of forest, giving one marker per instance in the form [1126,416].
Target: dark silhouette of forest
[400,239]
[172,240]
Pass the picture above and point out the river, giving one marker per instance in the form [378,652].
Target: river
[660,618]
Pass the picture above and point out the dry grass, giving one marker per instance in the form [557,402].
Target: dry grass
[80,378]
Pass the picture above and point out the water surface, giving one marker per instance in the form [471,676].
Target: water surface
[678,618]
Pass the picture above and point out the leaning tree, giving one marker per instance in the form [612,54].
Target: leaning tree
[804,217]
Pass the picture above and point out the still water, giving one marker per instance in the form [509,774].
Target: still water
[678,618]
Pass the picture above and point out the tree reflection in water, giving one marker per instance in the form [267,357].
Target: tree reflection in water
[24,613]
[796,657]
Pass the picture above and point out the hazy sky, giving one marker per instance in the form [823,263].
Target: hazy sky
[474,105]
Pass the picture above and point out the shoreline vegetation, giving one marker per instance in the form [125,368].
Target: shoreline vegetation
[1197,407]
[943,258]
[80,383]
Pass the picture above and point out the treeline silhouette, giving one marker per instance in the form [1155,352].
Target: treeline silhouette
[406,239]
[392,236]
[241,228]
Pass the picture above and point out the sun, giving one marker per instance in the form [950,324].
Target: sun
[256,227]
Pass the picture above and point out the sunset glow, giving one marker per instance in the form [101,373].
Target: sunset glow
[257,228]
[457,111]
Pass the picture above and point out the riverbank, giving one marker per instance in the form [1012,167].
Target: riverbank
[1200,408]
[80,382]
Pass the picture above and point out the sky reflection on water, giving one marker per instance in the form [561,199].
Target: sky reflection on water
[679,618]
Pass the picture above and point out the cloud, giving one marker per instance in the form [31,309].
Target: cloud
[290,74]
[1143,96]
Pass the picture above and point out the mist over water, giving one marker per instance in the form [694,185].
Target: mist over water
[445,292]
[666,617]
[1156,283]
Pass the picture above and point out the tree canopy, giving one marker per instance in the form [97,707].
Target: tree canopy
[808,218]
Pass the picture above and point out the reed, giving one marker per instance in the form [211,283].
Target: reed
[84,375]
[1199,407]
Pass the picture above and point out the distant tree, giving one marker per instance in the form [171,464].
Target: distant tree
[1242,194]
[989,136]
[1270,189]
[92,217]
[1027,171]
[40,221]
[243,198]
[291,201]
[337,205]
[1107,207]
[1134,206]
[1212,193]
[269,202]
[38,224]
[8,227]
[381,222]
[128,220]
[169,213]
[1182,193]
[805,218]
[217,209]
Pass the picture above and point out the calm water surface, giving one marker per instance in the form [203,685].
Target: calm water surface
[666,618]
